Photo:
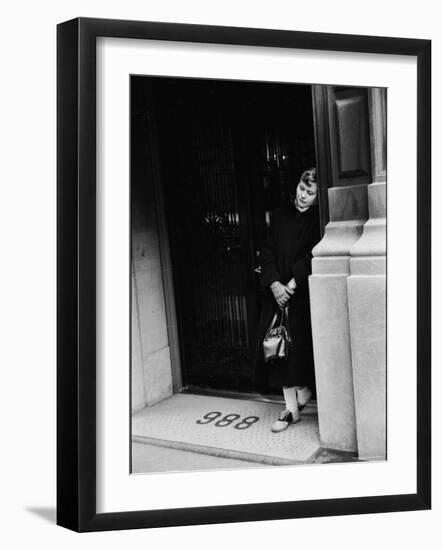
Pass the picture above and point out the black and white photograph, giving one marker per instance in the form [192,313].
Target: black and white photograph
[221,249]
[244,314]
[258,274]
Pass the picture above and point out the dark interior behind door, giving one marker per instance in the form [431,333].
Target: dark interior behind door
[229,152]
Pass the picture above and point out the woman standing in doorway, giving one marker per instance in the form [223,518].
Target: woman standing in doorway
[286,265]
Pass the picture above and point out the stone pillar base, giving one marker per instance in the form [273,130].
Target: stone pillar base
[367,308]
[331,343]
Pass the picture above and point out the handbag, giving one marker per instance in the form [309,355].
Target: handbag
[277,341]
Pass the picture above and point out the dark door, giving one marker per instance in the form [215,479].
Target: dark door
[229,153]
[342,135]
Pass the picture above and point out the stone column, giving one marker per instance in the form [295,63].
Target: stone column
[368,323]
[330,316]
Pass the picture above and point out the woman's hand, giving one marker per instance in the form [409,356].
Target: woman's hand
[282,293]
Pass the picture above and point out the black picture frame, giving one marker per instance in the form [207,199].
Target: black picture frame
[76,273]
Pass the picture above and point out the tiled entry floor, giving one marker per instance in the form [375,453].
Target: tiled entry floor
[231,428]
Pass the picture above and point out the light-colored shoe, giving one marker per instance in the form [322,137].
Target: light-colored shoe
[303,395]
[285,419]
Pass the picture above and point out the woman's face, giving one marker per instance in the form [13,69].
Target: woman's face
[306,194]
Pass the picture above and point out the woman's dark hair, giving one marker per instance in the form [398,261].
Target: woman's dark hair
[308,177]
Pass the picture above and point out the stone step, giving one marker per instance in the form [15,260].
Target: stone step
[229,428]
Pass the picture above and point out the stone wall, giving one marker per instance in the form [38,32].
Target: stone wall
[151,364]
[151,357]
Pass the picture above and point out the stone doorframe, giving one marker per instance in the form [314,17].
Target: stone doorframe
[348,305]
[155,356]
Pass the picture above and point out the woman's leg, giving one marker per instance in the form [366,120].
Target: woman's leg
[304,394]
[290,398]
[290,414]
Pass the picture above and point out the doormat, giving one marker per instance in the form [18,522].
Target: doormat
[230,428]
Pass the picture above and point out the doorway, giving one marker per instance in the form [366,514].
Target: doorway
[229,154]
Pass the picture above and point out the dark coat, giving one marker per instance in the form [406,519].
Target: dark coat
[287,254]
